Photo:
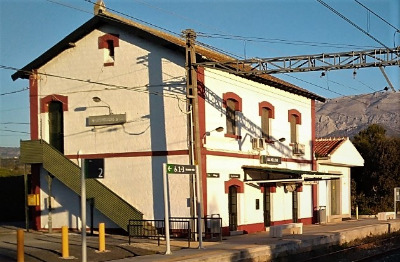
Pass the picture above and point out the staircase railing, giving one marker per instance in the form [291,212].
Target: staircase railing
[105,200]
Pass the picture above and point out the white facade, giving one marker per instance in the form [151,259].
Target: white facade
[143,77]
[335,195]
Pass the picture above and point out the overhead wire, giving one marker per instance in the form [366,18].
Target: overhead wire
[200,43]
[352,23]
[395,28]
[135,89]
[279,41]
[14,92]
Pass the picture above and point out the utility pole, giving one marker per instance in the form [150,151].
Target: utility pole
[192,96]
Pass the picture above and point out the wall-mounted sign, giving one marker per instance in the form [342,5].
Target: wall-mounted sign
[213,175]
[234,175]
[181,169]
[270,160]
[94,168]
[103,120]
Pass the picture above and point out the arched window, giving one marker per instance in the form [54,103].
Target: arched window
[233,104]
[266,112]
[294,118]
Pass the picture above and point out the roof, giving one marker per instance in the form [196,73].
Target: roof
[155,35]
[324,147]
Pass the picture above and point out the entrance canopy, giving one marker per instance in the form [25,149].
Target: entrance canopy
[259,174]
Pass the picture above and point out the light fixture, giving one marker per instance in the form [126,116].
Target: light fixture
[322,74]
[98,100]
[218,129]
[282,139]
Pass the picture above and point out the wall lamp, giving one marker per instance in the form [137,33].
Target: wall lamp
[282,139]
[218,129]
[98,99]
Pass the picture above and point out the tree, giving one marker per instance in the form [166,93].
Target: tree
[381,171]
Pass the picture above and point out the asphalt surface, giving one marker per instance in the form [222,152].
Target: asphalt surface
[43,246]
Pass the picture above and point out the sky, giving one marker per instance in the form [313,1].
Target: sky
[241,28]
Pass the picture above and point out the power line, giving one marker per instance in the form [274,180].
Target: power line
[137,19]
[395,28]
[280,41]
[135,89]
[13,92]
[352,23]
[14,131]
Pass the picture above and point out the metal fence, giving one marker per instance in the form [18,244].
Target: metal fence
[180,227]
[155,229]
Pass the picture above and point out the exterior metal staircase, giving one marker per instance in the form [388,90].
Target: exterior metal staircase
[66,171]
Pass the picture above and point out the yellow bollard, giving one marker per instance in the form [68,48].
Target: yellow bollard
[20,245]
[64,242]
[102,241]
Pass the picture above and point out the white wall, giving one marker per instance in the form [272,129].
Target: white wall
[147,84]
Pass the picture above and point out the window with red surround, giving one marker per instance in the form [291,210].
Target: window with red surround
[108,43]
[294,118]
[45,101]
[267,112]
[233,104]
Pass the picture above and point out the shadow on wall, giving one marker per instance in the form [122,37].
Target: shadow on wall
[12,194]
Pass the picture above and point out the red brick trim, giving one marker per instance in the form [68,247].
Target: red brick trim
[131,154]
[305,220]
[45,101]
[281,222]
[233,136]
[235,97]
[267,105]
[252,228]
[296,113]
[234,182]
[299,188]
[34,105]
[103,40]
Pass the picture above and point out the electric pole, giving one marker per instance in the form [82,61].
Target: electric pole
[192,96]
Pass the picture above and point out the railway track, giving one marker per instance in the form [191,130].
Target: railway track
[371,250]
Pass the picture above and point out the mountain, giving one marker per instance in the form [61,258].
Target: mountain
[346,116]
[9,152]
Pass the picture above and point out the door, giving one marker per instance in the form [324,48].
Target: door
[56,125]
[295,215]
[335,197]
[267,206]
[232,202]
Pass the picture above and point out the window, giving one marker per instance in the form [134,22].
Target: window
[233,104]
[108,43]
[231,117]
[294,118]
[266,112]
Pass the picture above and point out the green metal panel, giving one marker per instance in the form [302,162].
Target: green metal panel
[105,200]
[31,152]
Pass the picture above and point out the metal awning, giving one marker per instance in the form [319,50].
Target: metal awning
[260,174]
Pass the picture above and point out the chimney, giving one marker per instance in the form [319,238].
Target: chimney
[99,7]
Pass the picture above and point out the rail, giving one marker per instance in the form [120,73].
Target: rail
[155,229]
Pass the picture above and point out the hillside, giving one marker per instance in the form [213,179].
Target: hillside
[9,152]
[346,116]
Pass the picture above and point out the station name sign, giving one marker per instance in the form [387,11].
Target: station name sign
[270,160]
[103,120]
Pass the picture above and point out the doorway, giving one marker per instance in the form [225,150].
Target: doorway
[56,125]
[335,197]
[232,202]
[295,214]
[267,206]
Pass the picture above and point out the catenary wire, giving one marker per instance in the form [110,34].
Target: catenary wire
[279,41]
[352,23]
[395,28]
